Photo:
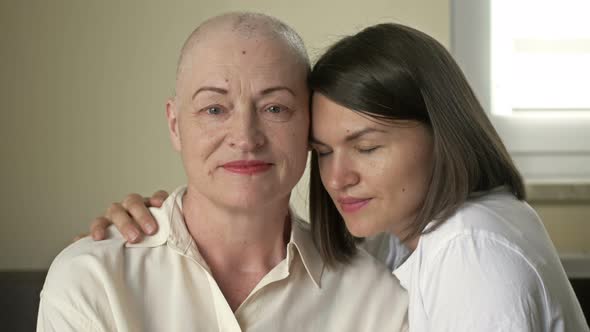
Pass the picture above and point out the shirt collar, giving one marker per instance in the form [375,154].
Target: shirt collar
[301,240]
[172,230]
[403,273]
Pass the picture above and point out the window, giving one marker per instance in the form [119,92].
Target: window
[529,63]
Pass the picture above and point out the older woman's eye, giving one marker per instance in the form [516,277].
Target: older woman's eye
[274,109]
[276,113]
[214,110]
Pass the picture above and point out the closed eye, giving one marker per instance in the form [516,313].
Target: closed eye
[322,152]
[367,150]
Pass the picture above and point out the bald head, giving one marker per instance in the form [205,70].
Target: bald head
[244,25]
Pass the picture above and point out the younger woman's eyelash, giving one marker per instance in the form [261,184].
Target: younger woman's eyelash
[368,150]
[321,154]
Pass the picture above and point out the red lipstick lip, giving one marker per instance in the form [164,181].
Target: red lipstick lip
[352,204]
[247,167]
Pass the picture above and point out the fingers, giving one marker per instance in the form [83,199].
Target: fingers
[157,198]
[136,208]
[98,228]
[131,217]
[124,222]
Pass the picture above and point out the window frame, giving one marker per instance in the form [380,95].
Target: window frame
[545,147]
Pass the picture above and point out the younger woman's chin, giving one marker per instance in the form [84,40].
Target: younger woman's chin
[361,228]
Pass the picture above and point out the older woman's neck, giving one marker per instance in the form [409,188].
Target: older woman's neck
[240,247]
[247,240]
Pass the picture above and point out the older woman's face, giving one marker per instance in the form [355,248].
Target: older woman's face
[241,120]
[377,174]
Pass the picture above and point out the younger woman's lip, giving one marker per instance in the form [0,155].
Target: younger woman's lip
[350,205]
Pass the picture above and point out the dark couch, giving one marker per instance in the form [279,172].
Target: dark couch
[19,298]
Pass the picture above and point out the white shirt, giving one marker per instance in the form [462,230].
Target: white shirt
[490,267]
[163,284]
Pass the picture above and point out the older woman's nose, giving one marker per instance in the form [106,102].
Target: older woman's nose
[246,133]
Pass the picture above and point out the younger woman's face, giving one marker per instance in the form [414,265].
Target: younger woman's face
[377,174]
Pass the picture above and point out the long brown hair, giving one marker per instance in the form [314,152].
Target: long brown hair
[393,72]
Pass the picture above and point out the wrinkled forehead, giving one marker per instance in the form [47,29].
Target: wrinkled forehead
[227,56]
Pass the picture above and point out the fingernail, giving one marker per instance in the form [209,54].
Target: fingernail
[150,228]
[132,235]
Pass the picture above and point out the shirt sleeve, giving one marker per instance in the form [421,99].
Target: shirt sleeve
[481,284]
[58,316]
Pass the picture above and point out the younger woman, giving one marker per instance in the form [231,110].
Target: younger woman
[403,146]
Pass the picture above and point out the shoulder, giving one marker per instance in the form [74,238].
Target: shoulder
[496,206]
[490,245]
[496,218]
[492,256]
[479,264]
[79,281]
[83,261]
[490,236]
[486,280]
[86,247]
[492,211]
[366,272]
[362,272]
[368,281]
[362,262]
[361,278]
[481,257]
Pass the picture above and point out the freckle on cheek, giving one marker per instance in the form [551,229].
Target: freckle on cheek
[243,52]
[404,190]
